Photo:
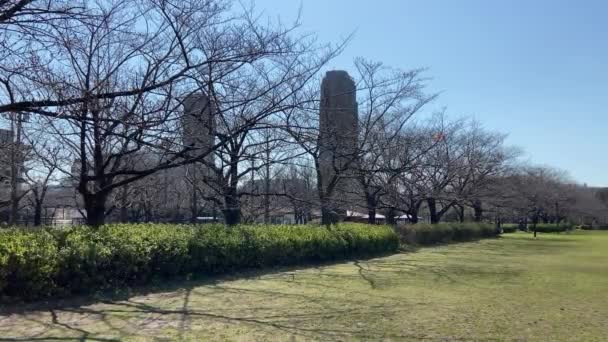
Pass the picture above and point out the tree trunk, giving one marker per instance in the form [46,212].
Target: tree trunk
[325,217]
[232,203]
[534,222]
[95,206]
[232,207]
[461,213]
[371,209]
[37,214]
[328,215]
[14,212]
[413,212]
[371,216]
[194,205]
[390,216]
[432,210]
[232,216]
[478,211]
[124,212]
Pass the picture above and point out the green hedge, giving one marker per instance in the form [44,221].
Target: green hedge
[60,262]
[509,227]
[428,234]
[590,227]
[551,227]
[540,227]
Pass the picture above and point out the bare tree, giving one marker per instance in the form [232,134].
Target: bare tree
[536,191]
[13,155]
[403,188]
[440,166]
[114,88]
[388,99]
[40,170]
[254,149]
[483,158]
[27,46]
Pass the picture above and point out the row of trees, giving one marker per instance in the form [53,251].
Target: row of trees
[95,92]
[105,81]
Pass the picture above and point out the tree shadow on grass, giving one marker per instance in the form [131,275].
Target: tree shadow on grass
[330,309]
[312,317]
[184,306]
[162,285]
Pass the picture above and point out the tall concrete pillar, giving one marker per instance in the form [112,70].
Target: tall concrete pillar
[338,140]
[198,126]
[197,122]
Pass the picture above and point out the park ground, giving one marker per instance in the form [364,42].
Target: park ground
[553,288]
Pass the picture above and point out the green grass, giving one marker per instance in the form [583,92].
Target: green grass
[553,288]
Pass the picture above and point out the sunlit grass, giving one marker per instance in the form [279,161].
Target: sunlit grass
[512,288]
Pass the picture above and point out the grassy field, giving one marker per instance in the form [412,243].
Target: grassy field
[554,288]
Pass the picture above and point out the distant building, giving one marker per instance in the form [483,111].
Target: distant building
[198,124]
[338,136]
[62,206]
[6,141]
[198,133]
[198,127]
[6,136]
[11,154]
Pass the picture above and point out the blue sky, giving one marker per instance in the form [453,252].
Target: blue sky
[537,70]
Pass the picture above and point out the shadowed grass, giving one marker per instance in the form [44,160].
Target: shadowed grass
[512,288]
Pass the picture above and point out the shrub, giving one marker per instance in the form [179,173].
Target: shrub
[540,227]
[509,227]
[81,259]
[551,227]
[591,227]
[428,234]
[28,263]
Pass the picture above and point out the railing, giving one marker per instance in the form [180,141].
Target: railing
[49,221]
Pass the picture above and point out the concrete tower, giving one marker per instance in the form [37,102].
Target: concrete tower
[338,140]
[197,122]
[198,126]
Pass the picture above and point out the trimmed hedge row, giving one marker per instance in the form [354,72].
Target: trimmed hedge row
[428,234]
[509,227]
[77,260]
[540,227]
[590,227]
[551,227]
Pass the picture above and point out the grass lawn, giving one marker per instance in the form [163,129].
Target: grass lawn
[513,288]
